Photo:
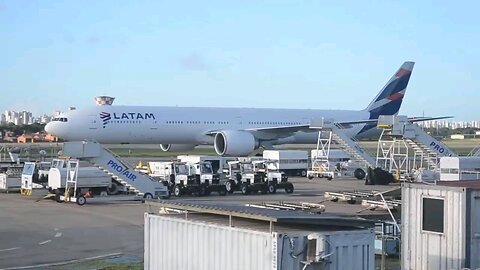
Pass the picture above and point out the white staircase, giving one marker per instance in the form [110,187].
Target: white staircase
[106,160]
[428,158]
[475,152]
[343,141]
[427,150]
[352,147]
[425,146]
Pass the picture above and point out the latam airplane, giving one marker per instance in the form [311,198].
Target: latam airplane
[232,131]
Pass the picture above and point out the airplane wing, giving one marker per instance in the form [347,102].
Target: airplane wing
[308,127]
[344,124]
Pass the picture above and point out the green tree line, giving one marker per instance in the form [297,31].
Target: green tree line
[21,129]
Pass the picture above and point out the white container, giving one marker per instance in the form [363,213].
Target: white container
[88,177]
[459,168]
[292,162]
[161,169]
[440,226]
[218,162]
[9,183]
[177,243]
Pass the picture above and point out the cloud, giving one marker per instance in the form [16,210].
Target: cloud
[194,61]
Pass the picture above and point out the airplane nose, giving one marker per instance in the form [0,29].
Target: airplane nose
[49,128]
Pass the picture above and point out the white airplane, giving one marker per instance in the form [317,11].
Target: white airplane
[232,131]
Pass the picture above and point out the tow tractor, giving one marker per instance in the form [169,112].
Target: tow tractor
[273,176]
[204,174]
[194,179]
[242,176]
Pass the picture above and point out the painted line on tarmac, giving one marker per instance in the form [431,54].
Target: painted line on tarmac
[44,242]
[9,249]
[112,255]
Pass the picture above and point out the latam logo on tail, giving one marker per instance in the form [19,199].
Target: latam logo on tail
[106,117]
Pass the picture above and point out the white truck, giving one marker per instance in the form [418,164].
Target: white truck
[274,178]
[243,177]
[89,178]
[291,162]
[187,178]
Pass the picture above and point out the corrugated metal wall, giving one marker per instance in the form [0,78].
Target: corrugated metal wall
[172,243]
[353,250]
[473,240]
[427,250]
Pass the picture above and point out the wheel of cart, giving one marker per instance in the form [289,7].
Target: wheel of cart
[230,186]
[359,173]
[272,188]
[148,196]
[245,189]
[177,191]
[81,200]
[289,188]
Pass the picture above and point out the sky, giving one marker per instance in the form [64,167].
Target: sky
[278,54]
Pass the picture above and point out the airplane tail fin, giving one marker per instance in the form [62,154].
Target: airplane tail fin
[390,98]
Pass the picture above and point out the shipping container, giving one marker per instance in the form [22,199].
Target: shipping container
[213,242]
[441,226]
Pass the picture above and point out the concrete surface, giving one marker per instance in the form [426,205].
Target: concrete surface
[33,233]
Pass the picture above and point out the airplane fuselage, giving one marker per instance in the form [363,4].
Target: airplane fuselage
[190,125]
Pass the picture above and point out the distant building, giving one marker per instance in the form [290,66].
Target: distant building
[36,137]
[457,137]
[25,138]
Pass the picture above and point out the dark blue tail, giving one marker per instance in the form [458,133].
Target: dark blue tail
[390,98]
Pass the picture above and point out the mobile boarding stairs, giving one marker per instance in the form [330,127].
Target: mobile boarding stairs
[398,135]
[328,132]
[93,152]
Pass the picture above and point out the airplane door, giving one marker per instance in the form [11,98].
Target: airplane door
[238,121]
[154,125]
[93,122]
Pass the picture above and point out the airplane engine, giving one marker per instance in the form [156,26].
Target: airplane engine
[176,147]
[234,143]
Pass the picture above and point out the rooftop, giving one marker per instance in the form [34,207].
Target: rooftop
[248,216]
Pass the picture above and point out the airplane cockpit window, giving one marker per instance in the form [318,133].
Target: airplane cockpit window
[60,119]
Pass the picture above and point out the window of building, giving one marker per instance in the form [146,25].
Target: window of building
[433,215]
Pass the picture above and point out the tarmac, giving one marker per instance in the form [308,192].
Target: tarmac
[34,233]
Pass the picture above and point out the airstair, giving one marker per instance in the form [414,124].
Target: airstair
[335,133]
[137,182]
[426,149]
[475,152]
